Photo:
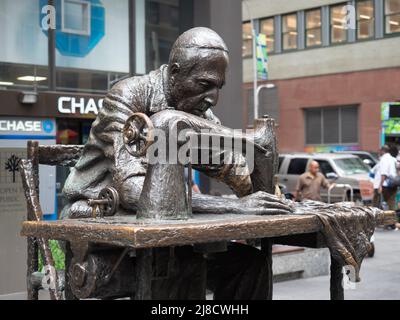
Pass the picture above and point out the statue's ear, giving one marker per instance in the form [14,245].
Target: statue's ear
[175,69]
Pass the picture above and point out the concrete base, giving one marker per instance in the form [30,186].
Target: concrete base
[304,263]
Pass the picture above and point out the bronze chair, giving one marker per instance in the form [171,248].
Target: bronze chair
[62,155]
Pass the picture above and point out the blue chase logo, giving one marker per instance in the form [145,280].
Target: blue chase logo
[80,25]
[48,126]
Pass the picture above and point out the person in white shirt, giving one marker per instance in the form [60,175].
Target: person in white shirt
[376,181]
[387,170]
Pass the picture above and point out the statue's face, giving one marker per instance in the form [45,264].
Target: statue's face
[197,90]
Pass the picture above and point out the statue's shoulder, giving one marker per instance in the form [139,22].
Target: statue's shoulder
[136,88]
[129,85]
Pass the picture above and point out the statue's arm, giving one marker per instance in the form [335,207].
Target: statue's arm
[257,203]
[127,171]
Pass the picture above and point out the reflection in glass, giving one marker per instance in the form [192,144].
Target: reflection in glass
[338,24]
[162,29]
[23,48]
[351,166]
[313,28]
[75,17]
[392,16]
[92,66]
[267,28]
[247,40]
[365,19]
[289,31]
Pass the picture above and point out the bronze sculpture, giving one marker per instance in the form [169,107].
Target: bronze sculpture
[113,175]
[190,83]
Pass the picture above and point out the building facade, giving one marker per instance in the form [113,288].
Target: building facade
[335,66]
[58,59]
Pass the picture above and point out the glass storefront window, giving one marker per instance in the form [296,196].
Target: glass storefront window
[338,24]
[247,37]
[392,16]
[365,19]
[75,17]
[165,21]
[23,53]
[267,28]
[92,44]
[289,31]
[313,28]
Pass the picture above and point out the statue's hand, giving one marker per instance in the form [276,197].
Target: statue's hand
[265,203]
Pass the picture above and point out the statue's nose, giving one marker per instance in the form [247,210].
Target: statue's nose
[212,96]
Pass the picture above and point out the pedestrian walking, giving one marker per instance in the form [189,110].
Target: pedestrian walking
[310,183]
[388,171]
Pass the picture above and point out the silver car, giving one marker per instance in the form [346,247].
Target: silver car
[344,169]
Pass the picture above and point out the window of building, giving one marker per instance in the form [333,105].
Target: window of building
[267,28]
[247,40]
[75,17]
[365,19]
[289,31]
[297,166]
[164,24]
[313,28]
[92,66]
[338,24]
[392,16]
[331,125]
[24,53]
[280,163]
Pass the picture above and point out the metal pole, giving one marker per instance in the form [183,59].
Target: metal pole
[253,31]
[52,54]
[259,88]
[255,95]
[132,37]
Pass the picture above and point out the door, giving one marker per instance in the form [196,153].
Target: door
[296,167]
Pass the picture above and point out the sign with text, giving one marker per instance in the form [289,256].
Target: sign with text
[14,134]
[73,105]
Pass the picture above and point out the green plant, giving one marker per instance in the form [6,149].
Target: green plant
[58,256]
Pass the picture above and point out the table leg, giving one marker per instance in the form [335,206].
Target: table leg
[336,280]
[266,247]
[143,274]
[33,265]
[67,286]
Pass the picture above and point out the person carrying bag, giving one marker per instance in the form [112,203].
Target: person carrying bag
[390,181]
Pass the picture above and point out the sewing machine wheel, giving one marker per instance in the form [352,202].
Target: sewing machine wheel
[111,196]
[138,134]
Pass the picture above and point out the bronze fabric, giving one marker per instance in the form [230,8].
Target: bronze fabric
[347,229]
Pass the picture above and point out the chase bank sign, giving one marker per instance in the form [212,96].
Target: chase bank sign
[83,106]
[27,126]
[80,25]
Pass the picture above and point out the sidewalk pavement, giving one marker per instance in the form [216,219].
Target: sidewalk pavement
[380,276]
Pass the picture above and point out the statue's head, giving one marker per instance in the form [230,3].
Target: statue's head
[196,70]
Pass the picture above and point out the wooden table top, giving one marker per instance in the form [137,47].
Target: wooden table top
[202,228]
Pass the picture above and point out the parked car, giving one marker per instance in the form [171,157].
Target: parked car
[369,158]
[339,168]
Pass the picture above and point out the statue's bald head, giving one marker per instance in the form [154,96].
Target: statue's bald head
[196,70]
[196,42]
